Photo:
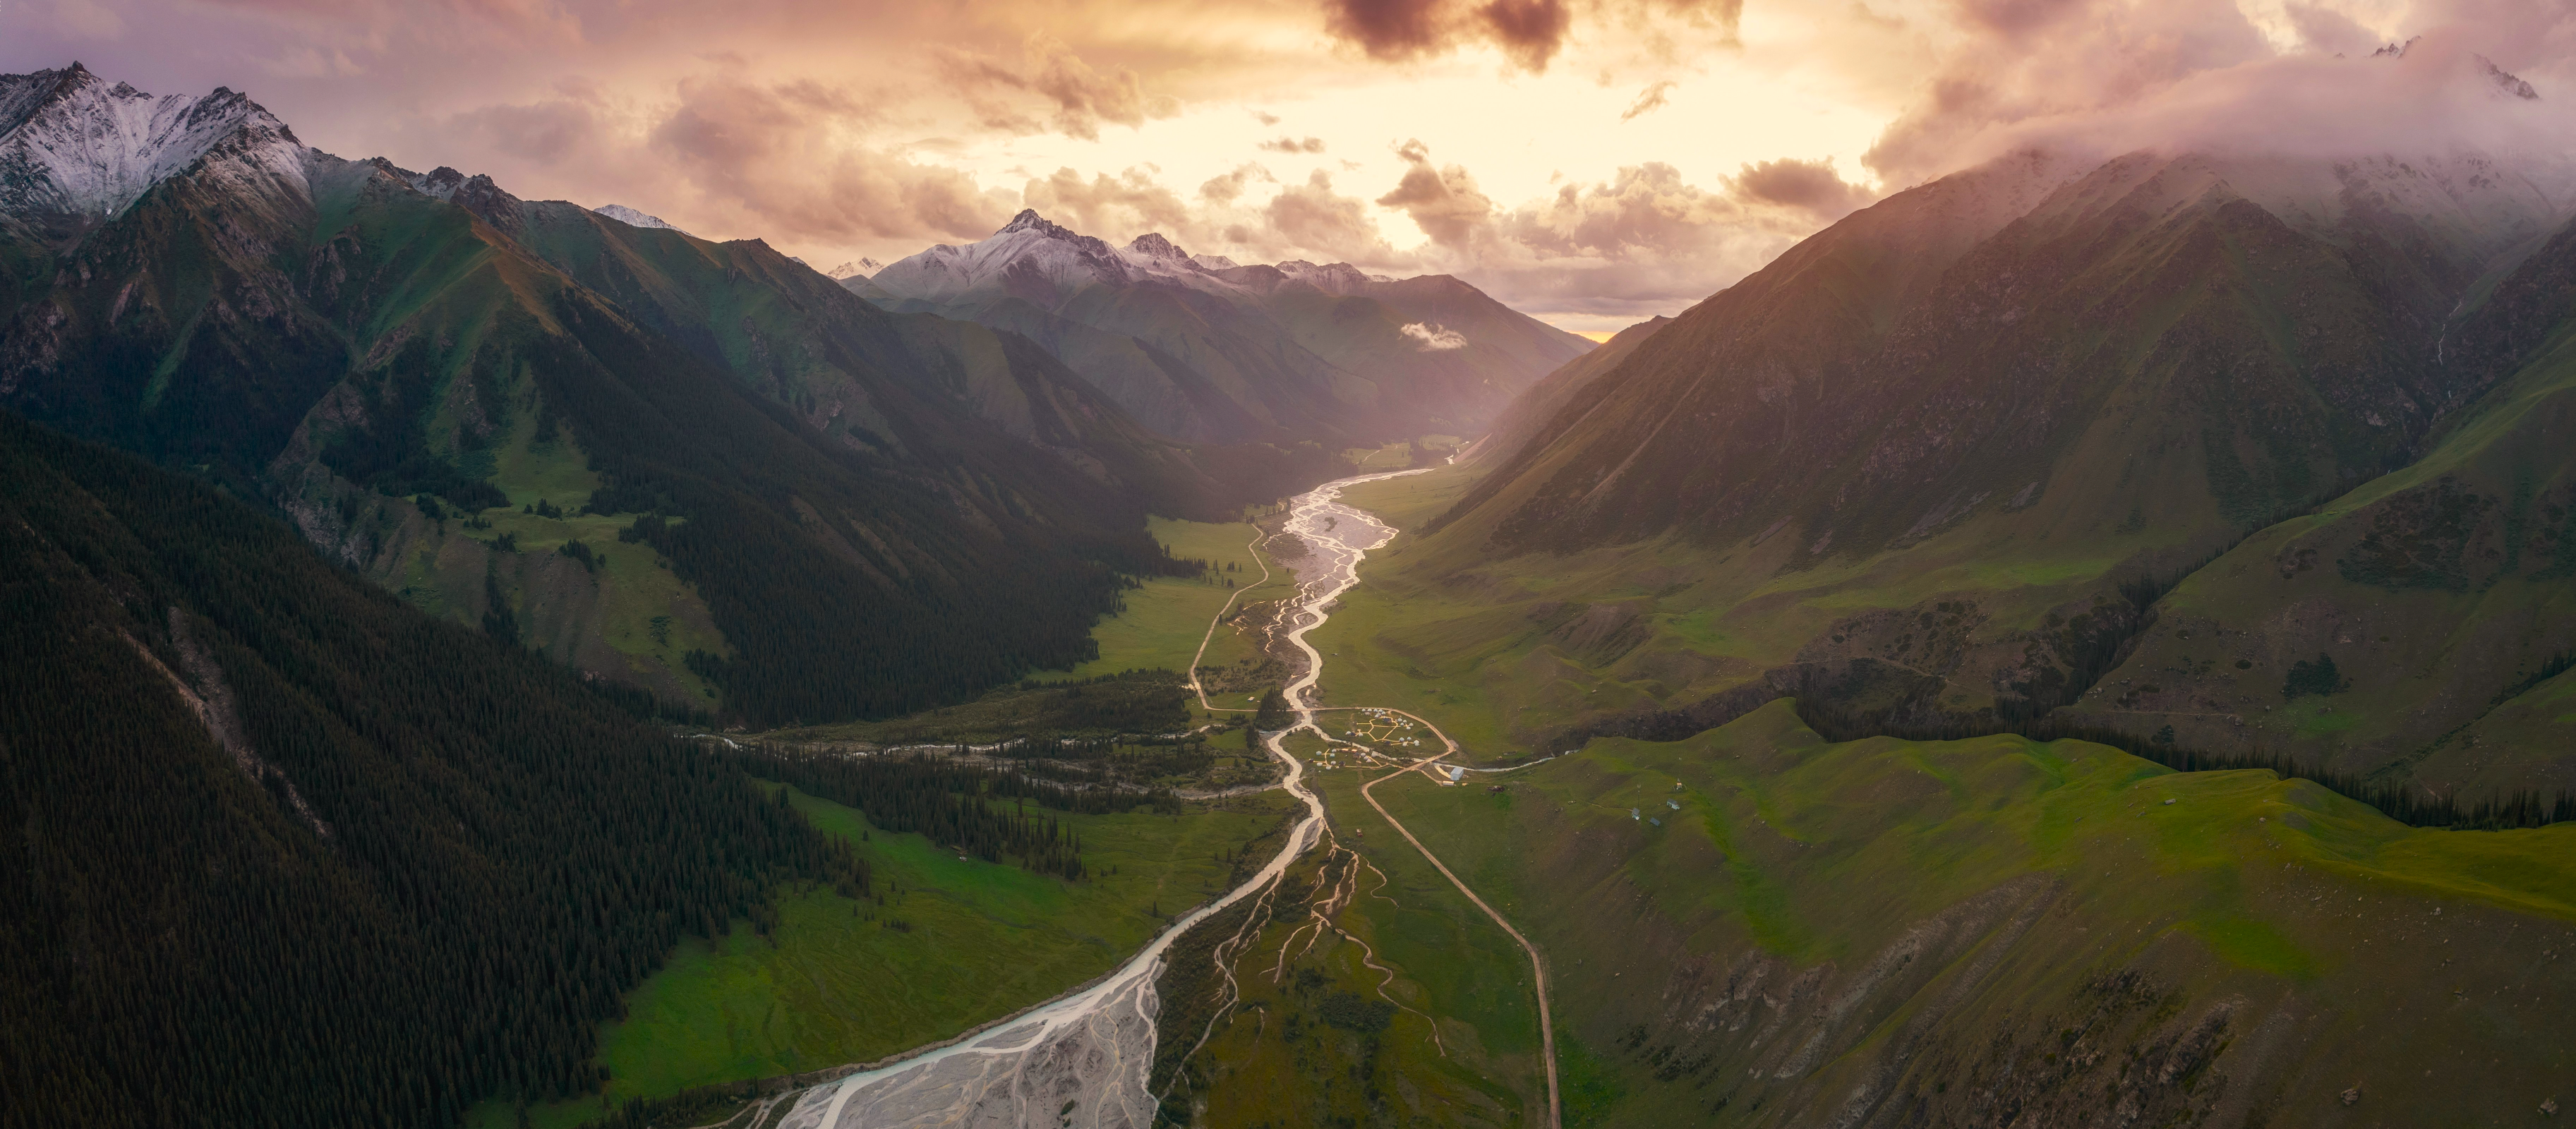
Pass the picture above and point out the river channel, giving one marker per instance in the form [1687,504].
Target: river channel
[1082,1059]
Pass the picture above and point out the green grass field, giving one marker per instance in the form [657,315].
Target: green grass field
[1166,618]
[837,983]
[1777,846]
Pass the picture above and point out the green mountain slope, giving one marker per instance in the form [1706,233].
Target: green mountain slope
[912,384]
[344,339]
[2413,628]
[1938,458]
[218,749]
[1531,410]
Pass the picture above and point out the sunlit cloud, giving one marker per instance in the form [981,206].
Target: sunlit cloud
[1587,160]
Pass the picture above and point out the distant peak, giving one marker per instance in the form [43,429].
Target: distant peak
[1153,245]
[2505,80]
[1030,220]
[863,266]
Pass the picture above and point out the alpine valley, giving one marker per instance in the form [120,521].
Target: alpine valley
[2086,639]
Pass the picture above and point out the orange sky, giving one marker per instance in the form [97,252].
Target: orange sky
[1591,161]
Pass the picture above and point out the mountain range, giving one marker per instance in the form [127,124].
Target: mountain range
[688,466]
[1200,347]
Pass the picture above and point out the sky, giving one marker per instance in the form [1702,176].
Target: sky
[1591,162]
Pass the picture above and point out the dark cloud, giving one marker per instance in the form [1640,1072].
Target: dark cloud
[1292,145]
[1649,100]
[1392,29]
[1444,202]
[1813,186]
[1529,32]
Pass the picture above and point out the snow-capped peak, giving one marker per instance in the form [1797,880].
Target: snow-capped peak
[632,218]
[1037,260]
[859,269]
[73,146]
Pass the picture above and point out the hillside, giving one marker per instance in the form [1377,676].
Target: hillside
[1940,458]
[2430,610]
[220,748]
[1206,349]
[377,354]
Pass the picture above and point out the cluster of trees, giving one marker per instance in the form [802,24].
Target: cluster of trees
[955,805]
[417,871]
[387,448]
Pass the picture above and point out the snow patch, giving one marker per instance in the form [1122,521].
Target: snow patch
[73,145]
[632,218]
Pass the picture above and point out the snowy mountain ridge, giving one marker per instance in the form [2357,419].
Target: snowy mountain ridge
[1033,253]
[74,147]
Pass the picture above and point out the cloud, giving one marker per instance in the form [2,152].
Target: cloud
[771,151]
[1391,30]
[1653,98]
[1645,241]
[1530,33]
[1443,202]
[1292,145]
[1228,187]
[1082,98]
[1813,186]
[1325,223]
[1129,202]
[1433,338]
[2110,76]
[2327,31]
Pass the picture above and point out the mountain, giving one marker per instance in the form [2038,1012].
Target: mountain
[289,852]
[1201,348]
[383,357]
[2419,629]
[1531,410]
[1950,448]
[895,382]
[75,149]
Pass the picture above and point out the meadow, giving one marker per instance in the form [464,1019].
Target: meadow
[953,944]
